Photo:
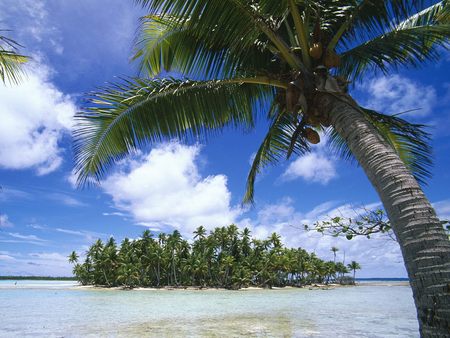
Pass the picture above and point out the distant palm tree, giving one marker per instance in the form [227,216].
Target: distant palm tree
[73,257]
[334,250]
[11,62]
[354,266]
[200,232]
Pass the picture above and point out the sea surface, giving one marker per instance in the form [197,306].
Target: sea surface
[63,309]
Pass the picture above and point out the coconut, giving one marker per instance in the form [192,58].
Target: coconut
[316,50]
[331,59]
[312,136]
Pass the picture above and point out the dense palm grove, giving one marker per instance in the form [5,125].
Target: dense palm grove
[226,258]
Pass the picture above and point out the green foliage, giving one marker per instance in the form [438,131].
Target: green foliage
[226,257]
[409,39]
[245,57]
[365,223]
[136,112]
[354,266]
[11,62]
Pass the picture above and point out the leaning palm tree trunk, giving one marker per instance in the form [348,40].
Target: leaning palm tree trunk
[425,246]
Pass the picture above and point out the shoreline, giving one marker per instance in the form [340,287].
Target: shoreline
[19,284]
[196,288]
[330,286]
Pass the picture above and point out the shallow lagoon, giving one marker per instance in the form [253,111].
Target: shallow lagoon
[61,309]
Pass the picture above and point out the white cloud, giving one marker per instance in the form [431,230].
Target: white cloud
[72,179]
[276,212]
[53,256]
[7,194]
[89,236]
[6,258]
[396,94]
[35,115]
[314,167]
[119,214]
[165,188]
[5,222]
[37,226]
[31,238]
[66,200]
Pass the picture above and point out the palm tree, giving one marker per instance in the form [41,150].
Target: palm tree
[334,250]
[341,269]
[200,232]
[173,245]
[354,266]
[292,59]
[11,61]
[73,257]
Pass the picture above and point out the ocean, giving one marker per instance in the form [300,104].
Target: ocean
[63,309]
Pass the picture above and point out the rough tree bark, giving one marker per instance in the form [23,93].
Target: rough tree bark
[423,242]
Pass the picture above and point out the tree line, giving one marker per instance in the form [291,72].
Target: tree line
[226,258]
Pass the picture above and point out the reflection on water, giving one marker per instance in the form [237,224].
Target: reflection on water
[64,311]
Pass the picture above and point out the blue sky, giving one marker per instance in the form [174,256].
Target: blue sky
[78,46]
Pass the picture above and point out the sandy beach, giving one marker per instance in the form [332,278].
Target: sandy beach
[250,288]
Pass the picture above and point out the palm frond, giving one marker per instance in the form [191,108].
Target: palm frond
[236,23]
[163,45]
[356,21]
[409,140]
[276,144]
[11,66]
[11,62]
[136,112]
[409,43]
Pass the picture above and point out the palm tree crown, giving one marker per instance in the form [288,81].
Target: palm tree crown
[354,266]
[277,59]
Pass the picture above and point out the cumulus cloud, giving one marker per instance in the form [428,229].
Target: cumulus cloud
[165,188]
[396,94]
[318,166]
[314,167]
[35,115]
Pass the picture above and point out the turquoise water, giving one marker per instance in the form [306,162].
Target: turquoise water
[61,309]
